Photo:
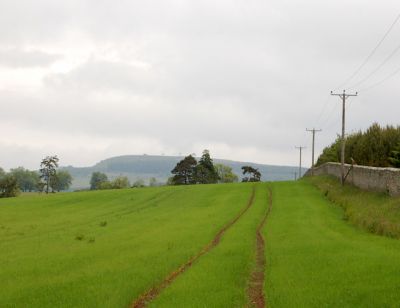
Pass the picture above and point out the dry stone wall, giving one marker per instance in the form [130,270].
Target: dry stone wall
[368,178]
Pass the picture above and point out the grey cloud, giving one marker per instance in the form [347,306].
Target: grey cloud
[246,74]
[104,75]
[27,21]
[17,58]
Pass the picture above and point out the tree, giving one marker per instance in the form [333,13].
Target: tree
[153,182]
[330,154]
[373,147]
[61,181]
[105,185]
[254,174]
[395,157]
[2,173]
[27,180]
[40,186]
[138,183]
[48,170]
[8,186]
[205,172]
[120,182]
[97,179]
[184,171]
[225,174]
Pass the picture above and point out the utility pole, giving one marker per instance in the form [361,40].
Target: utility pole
[300,148]
[343,96]
[313,143]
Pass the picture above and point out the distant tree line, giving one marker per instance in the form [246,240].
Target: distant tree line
[47,179]
[99,180]
[377,146]
[189,171]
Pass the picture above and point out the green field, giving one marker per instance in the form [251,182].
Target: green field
[107,248]
[317,259]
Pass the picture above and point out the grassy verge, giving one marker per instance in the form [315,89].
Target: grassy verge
[376,212]
[104,248]
[315,259]
[219,278]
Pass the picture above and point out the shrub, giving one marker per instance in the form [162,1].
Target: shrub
[8,186]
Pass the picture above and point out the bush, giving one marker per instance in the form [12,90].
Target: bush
[9,186]
[377,146]
[120,182]
[138,184]
[105,185]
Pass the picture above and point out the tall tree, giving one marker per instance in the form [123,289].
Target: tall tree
[48,170]
[254,174]
[205,172]
[184,171]
[225,174]
[97,179]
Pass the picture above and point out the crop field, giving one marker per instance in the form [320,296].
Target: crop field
[106,248]
[315,258]
[280,244]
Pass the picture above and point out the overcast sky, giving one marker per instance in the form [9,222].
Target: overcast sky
[243,78]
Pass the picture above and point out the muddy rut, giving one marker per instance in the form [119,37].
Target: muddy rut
[256,284]
[151,294]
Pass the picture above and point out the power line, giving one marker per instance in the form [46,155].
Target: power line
[322,110]
[337,120]
[376,69]
[327,121]
[371,53]
[381,81]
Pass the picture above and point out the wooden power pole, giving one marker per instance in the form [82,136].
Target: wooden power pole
[313,144]
[300,149]
[343,96]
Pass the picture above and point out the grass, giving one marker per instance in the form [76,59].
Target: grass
[219,278]
[316,259]
[104,248]
[375,212]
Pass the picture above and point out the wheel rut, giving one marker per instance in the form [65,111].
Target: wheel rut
[152,293]
[256,284]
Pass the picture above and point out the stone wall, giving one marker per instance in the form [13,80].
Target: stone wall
[369,178]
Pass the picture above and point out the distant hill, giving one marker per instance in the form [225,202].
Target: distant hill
[147,166]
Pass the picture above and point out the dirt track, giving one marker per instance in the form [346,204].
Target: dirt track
[151,294]
[256,284]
